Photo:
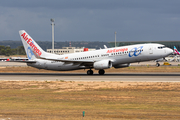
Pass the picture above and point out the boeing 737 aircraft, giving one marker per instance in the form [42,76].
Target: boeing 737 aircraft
[117,57]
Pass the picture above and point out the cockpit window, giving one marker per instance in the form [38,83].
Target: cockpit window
[161,47]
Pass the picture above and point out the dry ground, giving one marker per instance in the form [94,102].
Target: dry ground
[62,100]
[65,100]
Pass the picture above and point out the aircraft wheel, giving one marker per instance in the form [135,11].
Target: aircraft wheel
[89,72]
[101,72]
[157,64]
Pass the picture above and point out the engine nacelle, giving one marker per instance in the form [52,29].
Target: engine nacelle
[122,65]
[103,64]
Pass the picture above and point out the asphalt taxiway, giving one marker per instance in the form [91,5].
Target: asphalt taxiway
[141,77]
[136,77]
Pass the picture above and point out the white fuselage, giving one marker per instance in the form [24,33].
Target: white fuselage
[118,55]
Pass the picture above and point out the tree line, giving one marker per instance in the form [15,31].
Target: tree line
[7,51]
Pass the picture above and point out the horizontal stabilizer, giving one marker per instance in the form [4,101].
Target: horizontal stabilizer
[25,61]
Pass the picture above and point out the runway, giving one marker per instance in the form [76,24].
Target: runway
[150,63]
[134,77]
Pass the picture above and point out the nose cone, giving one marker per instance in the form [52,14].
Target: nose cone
[169,51]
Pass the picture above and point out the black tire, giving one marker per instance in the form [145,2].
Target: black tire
[89,72]
[157,64]
[101,72]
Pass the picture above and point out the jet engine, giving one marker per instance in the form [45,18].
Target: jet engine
[103,64]
[122,65]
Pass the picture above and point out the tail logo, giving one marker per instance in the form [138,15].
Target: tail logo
[176,52]
[29,53]
[33,46]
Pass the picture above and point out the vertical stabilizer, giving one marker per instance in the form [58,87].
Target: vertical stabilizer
[33,50]
[176,51]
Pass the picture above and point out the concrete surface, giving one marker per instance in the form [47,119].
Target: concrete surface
[137,77]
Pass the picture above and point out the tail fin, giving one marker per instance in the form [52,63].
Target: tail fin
[33,50]
[176,51]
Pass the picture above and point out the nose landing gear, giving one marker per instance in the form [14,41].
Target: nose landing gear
[157,64]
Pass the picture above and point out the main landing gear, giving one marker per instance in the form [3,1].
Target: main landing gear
[101,72]
[90,72]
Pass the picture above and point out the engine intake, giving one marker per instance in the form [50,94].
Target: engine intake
[103,64]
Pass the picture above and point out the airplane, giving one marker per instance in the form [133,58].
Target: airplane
[176,52]
[117,57]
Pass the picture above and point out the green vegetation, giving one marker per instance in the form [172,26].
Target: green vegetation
[8,51]
[47,44]
[169,44]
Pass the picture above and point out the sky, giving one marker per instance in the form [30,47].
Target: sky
[91,20]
